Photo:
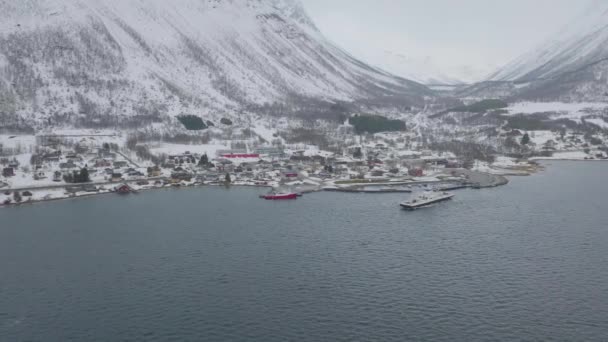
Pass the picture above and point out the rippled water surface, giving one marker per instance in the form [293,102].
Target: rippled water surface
[528,261]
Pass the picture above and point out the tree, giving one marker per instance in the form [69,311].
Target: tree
[17,197]
[192,122]
[204,160]
[228,180]
[525,140]
[81,176]
[84,176]
[358,154]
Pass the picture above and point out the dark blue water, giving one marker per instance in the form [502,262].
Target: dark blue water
[528,261]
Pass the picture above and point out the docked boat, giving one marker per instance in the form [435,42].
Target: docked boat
[280,196]
[427,198]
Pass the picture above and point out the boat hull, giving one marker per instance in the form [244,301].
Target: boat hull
[280,197]
[411,206]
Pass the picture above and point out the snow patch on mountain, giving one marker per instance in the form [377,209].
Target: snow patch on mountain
[560,107]
[582,42]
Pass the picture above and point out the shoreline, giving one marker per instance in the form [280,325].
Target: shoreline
[497,180]
[501,180]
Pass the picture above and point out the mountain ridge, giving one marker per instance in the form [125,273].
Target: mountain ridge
[85,60]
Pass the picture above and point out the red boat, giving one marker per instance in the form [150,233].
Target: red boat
[280,196]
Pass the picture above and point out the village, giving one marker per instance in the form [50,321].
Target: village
[52,166]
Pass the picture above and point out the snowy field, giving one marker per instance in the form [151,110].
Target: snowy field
[565,110]
[176,149]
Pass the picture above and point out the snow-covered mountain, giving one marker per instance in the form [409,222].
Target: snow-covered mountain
[572,65]
[425,69]
[95,60]
[581,43]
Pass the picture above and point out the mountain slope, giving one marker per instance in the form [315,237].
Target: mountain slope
[86,61]
[571,66]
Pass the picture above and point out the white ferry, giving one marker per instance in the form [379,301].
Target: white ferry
[427,198]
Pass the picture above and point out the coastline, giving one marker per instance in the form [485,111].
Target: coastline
[483,180]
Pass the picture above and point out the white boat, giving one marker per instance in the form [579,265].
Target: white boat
[427,198]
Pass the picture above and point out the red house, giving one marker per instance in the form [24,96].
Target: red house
[416,172]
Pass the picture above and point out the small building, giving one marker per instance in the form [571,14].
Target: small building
[416,172]
[68,166]
[377,173]
[57,176]
[181,176]
[453,164]
[116,177]
[290,174]
[39,175]
[102,163]
[120,164]
[154,171]
[124,189]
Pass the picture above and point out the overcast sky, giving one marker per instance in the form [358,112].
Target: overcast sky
[453,32]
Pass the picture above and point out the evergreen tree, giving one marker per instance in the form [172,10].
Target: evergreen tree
[358,154]
[228,180]
[84,176]
[525,140]
[204,160]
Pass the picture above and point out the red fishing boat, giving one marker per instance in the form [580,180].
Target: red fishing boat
[277,196]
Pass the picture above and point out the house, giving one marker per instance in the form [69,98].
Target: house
[181,176]
[8,172]
[116,177]
[67,166]
[377,173]
[119,164]
[416,172]
[57,176]
[290,174]
[73,157]
[272,152]
[39,175]
[135,173]
[124,189]
[52,157]
[154,171]
[103,163]
[453,164]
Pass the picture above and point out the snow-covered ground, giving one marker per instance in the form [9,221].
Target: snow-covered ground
[564,110]
[175,149]
[571,155]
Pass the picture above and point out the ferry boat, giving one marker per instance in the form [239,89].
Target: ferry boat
[280,196]
[427,198]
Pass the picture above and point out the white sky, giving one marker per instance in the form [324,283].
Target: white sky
[452,32]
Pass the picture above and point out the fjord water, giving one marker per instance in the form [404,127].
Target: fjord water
[528,261]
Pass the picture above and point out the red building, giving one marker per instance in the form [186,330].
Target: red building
[417,172]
